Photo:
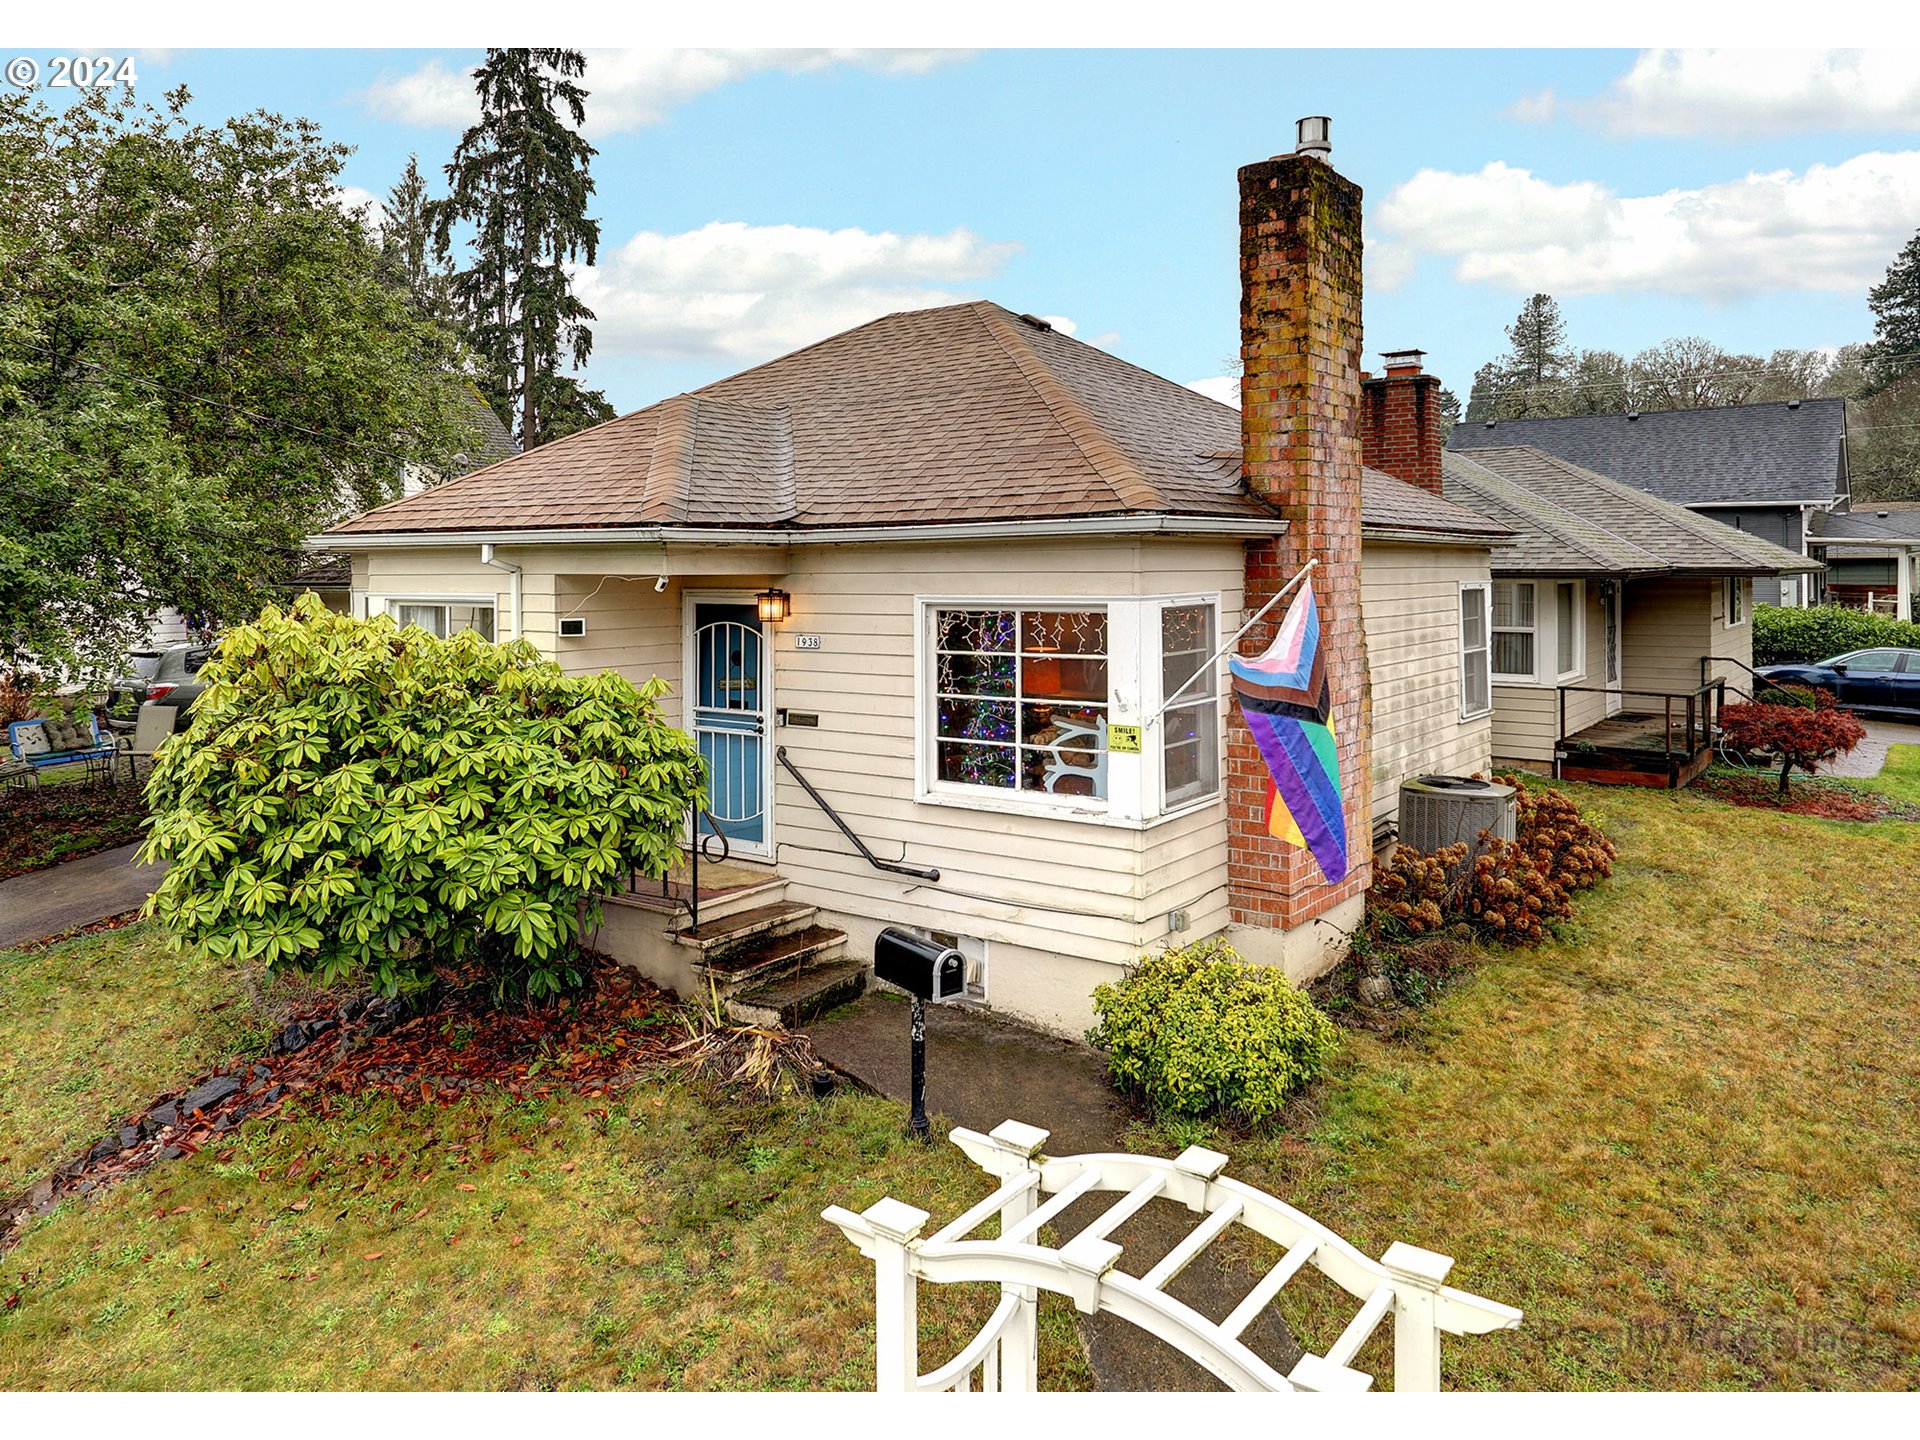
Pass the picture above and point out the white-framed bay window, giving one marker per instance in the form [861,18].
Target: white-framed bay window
[1539,631]
[1047,706]
[1476,649]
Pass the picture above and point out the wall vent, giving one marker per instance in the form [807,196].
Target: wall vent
[572,627]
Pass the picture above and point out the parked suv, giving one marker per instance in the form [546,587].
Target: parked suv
[175,679]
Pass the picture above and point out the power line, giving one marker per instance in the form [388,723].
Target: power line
[1573,386]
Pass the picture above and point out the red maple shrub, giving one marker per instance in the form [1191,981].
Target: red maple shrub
[1510,890]
[1801,734]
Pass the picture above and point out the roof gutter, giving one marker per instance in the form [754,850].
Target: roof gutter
[1239,527]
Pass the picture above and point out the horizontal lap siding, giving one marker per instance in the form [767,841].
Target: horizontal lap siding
[1670,626]
[1410,599]
[1050,884]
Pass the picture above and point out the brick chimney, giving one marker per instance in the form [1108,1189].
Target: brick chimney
[1400,420]
[1300,434]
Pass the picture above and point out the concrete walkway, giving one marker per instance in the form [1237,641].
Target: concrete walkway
[1869,757]
[79,892]
[980,1071]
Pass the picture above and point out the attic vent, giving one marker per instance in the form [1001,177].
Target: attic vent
[1881,514]
[1492,423]
[1633,414]
[1793,404]
[1036,322]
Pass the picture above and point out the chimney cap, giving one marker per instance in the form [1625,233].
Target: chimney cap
[1313,136]
[1398,361]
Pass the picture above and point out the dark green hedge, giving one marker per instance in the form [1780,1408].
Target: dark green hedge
[1784,636]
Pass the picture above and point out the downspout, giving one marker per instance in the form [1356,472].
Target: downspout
[513,585]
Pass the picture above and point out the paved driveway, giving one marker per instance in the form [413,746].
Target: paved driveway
[1869,757]
[80,892]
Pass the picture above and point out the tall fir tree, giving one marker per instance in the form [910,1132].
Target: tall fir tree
[1895,303]
[1537,360]
[411,253]
[520,178]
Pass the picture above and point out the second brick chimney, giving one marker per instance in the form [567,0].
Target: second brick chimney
[1400,421]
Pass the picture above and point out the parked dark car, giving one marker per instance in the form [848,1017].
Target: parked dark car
[1877,679]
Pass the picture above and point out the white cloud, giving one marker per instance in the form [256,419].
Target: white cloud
[631,89]
[1741,94]
[350,197]
[1829,227]
[750,292]
[1224,388]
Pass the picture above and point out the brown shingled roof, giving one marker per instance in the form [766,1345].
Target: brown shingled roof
[967,413]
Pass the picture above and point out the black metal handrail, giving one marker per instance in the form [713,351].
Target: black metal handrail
[1759,679]
[695,844]
[858,844]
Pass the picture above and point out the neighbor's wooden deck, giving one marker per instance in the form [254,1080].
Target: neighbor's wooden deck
[1633,749]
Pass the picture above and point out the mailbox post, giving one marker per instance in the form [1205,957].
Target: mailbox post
[926,971]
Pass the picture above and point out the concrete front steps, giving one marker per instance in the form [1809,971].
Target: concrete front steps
[764,957]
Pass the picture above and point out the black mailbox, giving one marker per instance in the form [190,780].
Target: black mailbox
[919,966]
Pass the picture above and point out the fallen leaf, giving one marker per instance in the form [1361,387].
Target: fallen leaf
[302,1203]
[373,1255]
[180,1209]
[469,1187]
[517,1240]
[567,1168]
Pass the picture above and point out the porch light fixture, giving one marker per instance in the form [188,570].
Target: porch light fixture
[775,605]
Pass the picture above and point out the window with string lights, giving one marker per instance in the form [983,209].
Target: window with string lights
[1053,707]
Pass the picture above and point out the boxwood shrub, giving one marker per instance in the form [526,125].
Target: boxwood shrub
[1784,636]
[1198,1031]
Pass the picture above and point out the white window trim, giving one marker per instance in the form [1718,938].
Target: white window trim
[1579,670]
[1730,587]
[386,602]
[1485,588]
[1135,783]
[1546,633]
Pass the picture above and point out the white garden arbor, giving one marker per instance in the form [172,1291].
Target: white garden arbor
[1405,1282]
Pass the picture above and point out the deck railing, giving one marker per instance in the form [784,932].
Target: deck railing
[1691,718]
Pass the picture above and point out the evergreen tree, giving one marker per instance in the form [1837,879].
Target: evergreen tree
[1535,370]
[1895,303]
[410,251]
[520,178]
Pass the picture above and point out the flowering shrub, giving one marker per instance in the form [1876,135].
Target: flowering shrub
[1197,1030]
[357,799]
[1512,890]
[1807,730]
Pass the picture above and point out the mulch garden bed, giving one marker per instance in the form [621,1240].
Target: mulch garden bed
[50,823]
[444,1046]
[1824,799]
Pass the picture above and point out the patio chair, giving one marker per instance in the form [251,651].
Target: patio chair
[150,732]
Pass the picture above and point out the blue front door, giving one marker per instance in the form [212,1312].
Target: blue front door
[730,720]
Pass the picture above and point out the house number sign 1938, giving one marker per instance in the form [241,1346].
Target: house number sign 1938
[806,642]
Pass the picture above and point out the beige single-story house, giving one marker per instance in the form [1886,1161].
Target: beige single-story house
[1618,620]
[923,592]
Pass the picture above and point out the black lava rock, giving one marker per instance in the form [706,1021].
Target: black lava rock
[212,1093]
[317,1028]
[261,1072]
[102,1149]
[172,1152]
[287,1041]
[161,1116]
[353,1009]
[273,1094]
[129,1136]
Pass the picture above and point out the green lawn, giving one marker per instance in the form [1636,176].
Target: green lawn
[667,1238]
[1682,1138]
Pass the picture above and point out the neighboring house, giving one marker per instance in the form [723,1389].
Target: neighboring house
[997,551]
[1763,469]
[1873,557]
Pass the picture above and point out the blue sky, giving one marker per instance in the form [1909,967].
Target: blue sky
[753,201]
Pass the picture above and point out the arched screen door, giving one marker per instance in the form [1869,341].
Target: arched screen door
[730,720]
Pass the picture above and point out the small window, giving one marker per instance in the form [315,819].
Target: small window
[1021,699]
[1190,757]
[1566,628]
[1476,653]
[1513,630]
[1736,600]
[444,618]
